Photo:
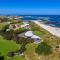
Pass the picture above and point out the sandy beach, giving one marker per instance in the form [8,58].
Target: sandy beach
[53,30]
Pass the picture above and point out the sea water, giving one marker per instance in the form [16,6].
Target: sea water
[53,20]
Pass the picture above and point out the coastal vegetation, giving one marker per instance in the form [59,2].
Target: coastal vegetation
[8,46]
[43,49]
[11,44]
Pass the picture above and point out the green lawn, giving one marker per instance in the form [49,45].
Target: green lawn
[8,46]
[38,33]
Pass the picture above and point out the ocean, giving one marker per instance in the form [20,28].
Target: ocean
[53,20]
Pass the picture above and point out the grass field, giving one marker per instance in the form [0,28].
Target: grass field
[6,46]
[30,52]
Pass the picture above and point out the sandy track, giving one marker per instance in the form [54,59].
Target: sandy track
[53,30]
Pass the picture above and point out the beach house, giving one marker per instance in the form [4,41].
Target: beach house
[26,26]
[29,34]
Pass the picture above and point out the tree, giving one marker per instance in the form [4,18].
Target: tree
[22,49]
[1,57]
[24,41]
[11,54]
[4,19]
[43,48]
[5,27]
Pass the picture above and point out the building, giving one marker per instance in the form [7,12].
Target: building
[27,26]
[17,26]
[14,26]
[36,38]
[33,36]
[29,34]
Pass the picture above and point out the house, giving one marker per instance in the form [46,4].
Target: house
[36,38]
[57,49]
[32,36]
[17,26]
[25,34]
[10,27]
[29,34]
[27,26]
[7,30]
[8,22]
[14,26]
[22,35]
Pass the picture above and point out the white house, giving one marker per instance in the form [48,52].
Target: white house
[36,38]
[10,27]
[8,22]
[27,26]
[7,30]
[29,34]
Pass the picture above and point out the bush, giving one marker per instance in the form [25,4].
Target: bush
[24,40]
[1,57]
[22,49]
[5,27]
[43,48]
[21,30]
[11,54]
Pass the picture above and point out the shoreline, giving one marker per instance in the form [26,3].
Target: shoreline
[53,30]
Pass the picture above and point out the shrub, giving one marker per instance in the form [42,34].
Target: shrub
[43,48]
[22,49]
[1,57]
[11,54]
[24,40]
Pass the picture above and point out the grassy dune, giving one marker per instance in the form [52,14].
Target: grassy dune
[50,39]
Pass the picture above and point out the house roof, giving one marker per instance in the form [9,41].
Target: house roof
[29,34]
[8,22]
[24,25]
[34,36]
[22,34]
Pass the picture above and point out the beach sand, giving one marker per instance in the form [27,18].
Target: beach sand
[53,30]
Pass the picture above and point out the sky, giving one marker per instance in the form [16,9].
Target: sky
[30,7]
